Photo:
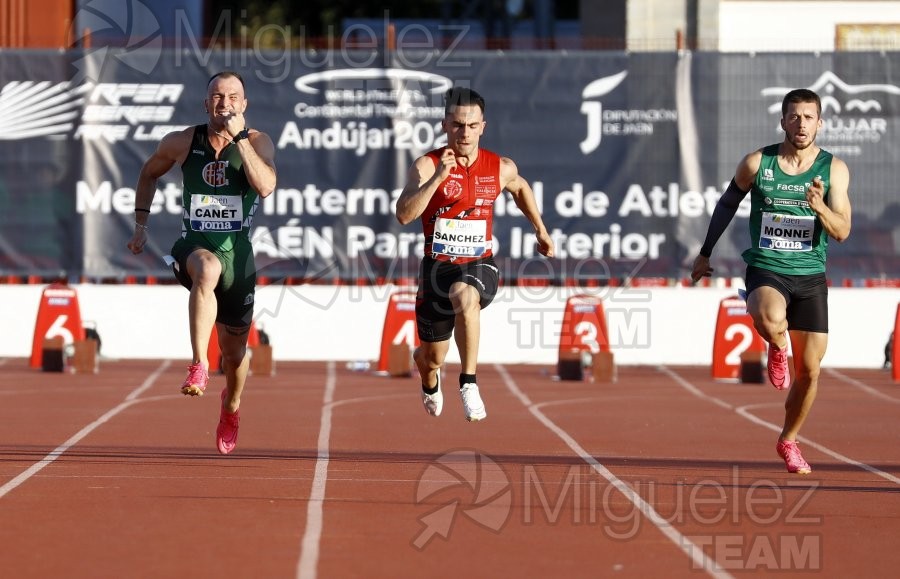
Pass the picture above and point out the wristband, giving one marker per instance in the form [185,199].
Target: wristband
[141,225]
[241,135]
[136,209]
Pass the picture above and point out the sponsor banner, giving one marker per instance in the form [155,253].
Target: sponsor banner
[627,155]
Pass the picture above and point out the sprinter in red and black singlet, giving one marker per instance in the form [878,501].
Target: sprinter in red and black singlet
[799,197]
[453,190]
[457,221]
[226,167]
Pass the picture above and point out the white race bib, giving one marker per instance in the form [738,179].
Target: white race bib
[786,232]
[460,238]
[222,213]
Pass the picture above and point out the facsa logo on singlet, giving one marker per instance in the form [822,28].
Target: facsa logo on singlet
[214,173]
[612,122]
[853,116]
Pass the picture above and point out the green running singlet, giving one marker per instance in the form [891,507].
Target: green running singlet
[786,235]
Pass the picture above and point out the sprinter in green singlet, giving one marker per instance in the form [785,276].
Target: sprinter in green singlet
[226,168]
[798,199]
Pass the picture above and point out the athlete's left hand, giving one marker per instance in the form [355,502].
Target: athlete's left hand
[545,243]
[701,268]
[234,123]
[815,195]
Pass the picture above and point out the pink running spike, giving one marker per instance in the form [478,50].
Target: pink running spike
[196,380]
[227,431]
[790,452]
[779,375]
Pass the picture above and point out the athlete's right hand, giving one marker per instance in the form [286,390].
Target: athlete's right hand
[447,164]
[138,240]
[701,268]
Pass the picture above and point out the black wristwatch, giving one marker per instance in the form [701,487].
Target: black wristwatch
[241,135]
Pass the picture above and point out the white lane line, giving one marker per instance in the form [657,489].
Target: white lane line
[862,386]
[61,449]
[744,412]
[693,551]
[312,536]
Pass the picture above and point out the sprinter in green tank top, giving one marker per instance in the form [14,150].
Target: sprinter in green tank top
[226,168]
[798,199]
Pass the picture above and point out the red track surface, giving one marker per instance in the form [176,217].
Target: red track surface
[665,473]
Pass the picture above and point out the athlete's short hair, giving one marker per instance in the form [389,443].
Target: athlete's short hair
[801,95]
[225,74]
[460,96]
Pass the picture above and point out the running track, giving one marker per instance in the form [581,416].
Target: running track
[341,474]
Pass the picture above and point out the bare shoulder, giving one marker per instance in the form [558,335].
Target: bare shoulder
[746,170]
[753,159]
[506,164]
[263,145]
[172,150]
[508,169]
[175,145]
[258,135]
[838,165]
[840,176]
[421,170]
[185,135]
[424,167]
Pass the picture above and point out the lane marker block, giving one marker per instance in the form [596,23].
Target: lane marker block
[59,315]
[53,354]
[584,336]
[570,365]
[262,363]
[400,361]
[399,330]
[85,358]
[735,336]
[751,367]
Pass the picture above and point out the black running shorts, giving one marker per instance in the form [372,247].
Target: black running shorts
[434,311]
[806,297]
[236,289]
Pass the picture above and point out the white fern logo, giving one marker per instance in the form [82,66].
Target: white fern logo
[39,108]
[127,24]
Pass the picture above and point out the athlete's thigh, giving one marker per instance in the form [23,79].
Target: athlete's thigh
[237,293]
[767,295]
[192,260]
[808,349]
[464,295]
[434,310]
[808,309]
[484,276]
[767,303]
